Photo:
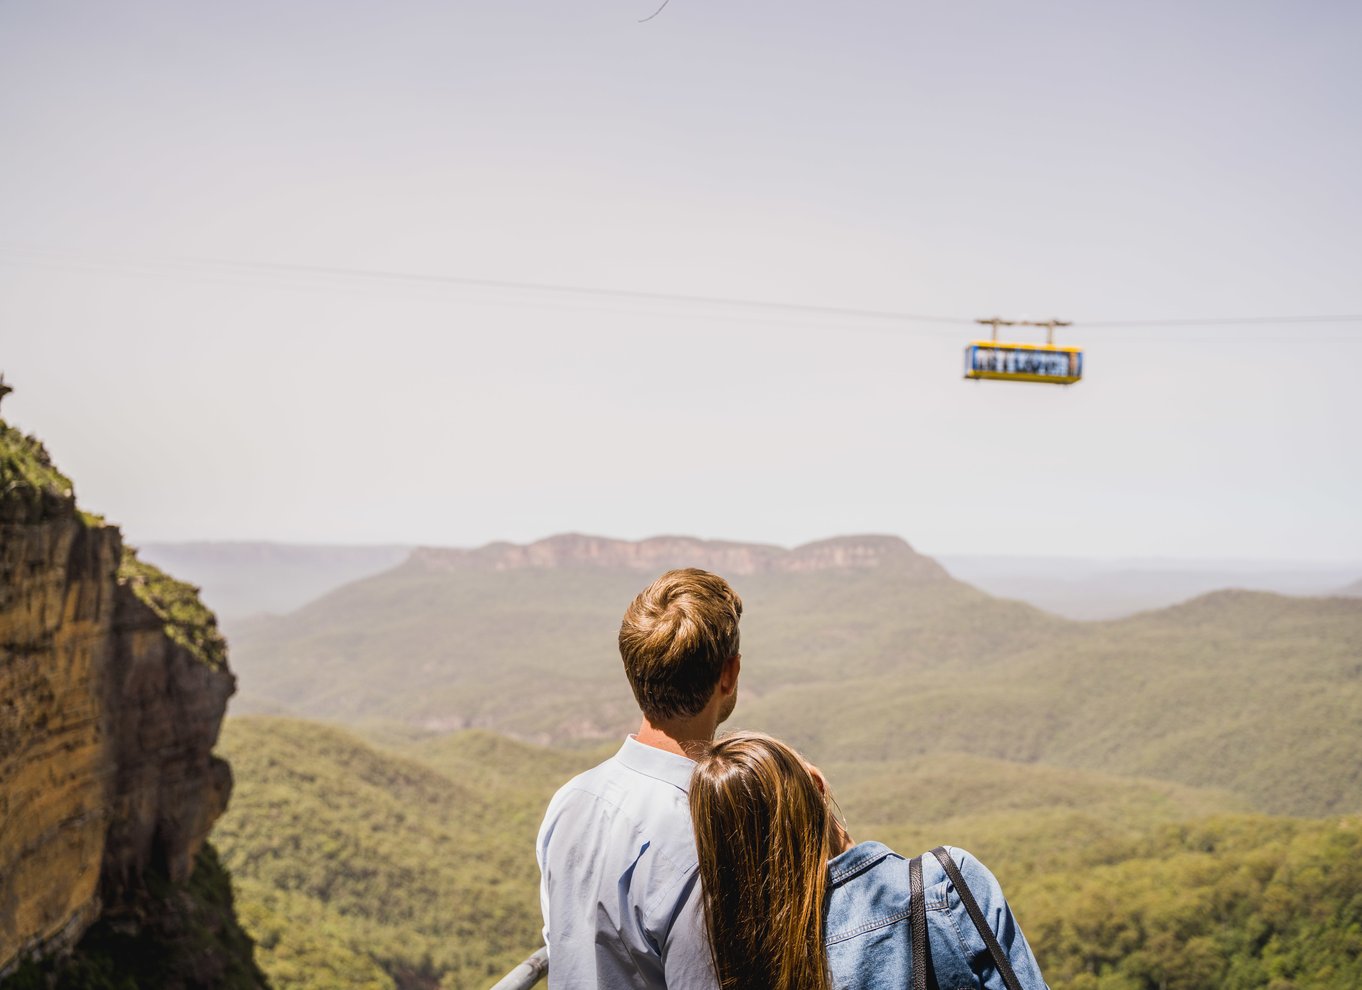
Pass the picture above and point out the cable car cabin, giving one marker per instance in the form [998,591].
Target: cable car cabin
[1023,362]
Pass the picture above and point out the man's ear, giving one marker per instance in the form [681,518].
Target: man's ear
[728,677]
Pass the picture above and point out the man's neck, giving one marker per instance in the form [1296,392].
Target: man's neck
[681,736]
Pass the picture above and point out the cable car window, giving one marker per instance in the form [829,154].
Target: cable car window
[1061,365]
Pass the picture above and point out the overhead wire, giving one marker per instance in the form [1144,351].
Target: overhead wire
[225,266]
[1225,321]
[48,257]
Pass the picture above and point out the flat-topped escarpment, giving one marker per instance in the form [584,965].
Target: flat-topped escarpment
[113,684]
[658,553]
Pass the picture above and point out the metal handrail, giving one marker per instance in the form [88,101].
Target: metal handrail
[528,973]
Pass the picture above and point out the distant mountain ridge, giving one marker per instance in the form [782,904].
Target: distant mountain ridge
[658,553]
[244,580]
[856,649]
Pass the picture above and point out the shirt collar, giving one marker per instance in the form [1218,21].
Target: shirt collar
[857,859]
[670,768]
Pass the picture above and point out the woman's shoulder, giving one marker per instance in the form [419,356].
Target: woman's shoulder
[866,856]
[870,885]
[867,889]
[872,878]
[976,875]
[868,863]
[859,859]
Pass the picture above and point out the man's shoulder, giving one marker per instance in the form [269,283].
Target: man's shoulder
[591,782]
[636,774]
[622,796]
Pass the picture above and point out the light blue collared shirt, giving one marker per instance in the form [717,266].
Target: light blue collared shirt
[619,881]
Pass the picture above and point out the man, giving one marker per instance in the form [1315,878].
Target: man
[619,887]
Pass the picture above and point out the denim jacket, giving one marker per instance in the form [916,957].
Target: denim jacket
[868,938]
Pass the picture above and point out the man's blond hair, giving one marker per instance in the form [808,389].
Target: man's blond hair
[675,639]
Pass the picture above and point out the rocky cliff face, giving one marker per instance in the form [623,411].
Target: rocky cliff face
[661,552]
[113,683]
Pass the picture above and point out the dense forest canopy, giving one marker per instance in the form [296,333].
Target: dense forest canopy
[410,864]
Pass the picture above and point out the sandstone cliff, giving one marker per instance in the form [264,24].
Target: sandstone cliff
[113,684]
[660,552]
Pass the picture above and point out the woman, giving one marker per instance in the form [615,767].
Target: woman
[792,904]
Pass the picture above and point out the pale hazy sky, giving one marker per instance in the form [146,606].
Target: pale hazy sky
[1096,162]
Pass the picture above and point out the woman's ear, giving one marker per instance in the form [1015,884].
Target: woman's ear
[818,779]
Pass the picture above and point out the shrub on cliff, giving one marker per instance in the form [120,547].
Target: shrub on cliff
[187,620]
[29,483]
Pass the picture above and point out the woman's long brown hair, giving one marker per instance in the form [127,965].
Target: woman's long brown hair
[763,834]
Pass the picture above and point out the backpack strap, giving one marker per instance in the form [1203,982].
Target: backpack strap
[985,931]
[917,922]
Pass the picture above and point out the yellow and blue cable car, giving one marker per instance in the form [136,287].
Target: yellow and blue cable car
[1015,362]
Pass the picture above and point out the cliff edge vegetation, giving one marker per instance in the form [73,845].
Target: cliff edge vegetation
[185,618]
